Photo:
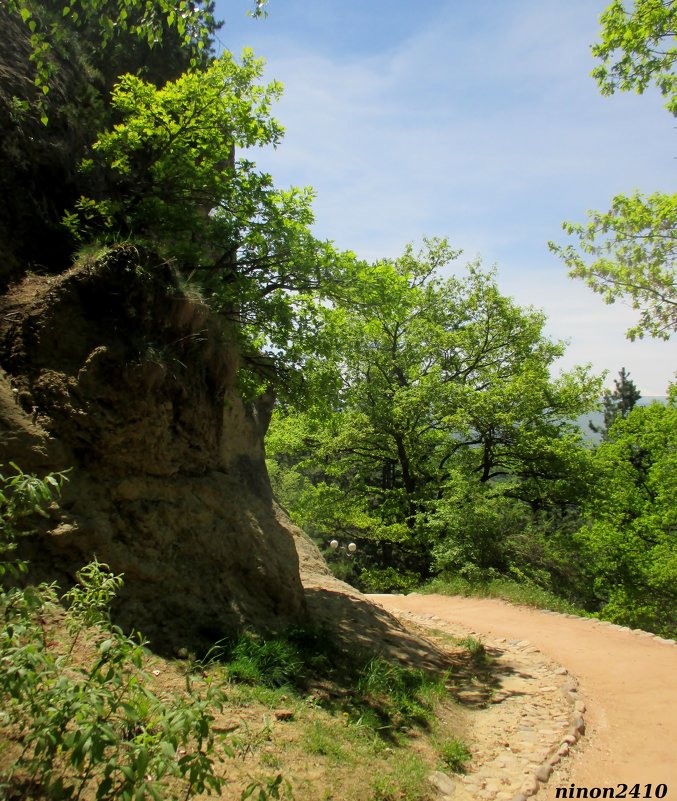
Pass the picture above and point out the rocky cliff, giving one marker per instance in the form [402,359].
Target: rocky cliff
[113,370]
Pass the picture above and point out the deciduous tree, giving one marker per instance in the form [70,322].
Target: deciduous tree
[630,538]
[444,382]
[637,48]
[628,252]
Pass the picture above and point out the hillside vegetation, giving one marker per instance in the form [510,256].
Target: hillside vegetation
[164,307]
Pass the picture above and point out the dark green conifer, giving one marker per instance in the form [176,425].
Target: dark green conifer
[617,403]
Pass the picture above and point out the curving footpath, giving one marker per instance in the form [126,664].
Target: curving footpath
[628,679]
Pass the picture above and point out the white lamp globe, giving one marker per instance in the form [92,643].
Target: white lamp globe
[352,547]
[333,545]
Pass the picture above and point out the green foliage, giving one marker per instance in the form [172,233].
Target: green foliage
[22,496]
[618,403]
[99,726]
[174,185]
[141,147]
[629,537]
[388,579]
[271,662]
[629,253]
[141,19]
[40,174]
[85,718]
[89,601]
[284,660]
[454,754]
[637,48]
[406,781]
[174,146]
[378,696]
[446,421]
[399,696]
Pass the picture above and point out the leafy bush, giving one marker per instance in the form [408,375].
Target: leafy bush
[77,702]
[22,496]
[388,580]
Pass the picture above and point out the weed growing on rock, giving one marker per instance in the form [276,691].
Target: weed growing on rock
[454,754]
[476,649]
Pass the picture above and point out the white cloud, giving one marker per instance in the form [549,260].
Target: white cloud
[484,126]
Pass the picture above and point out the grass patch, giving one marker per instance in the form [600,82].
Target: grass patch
[286,660]
[321,738]
[476,649]
[269,697]
[454,755]
[405,782]
[506,589]
[376,694]
[390,698]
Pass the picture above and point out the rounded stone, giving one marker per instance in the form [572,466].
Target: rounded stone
[579,725]
[442,782]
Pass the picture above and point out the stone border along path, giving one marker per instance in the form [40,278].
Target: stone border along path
[534,720]
[515,747]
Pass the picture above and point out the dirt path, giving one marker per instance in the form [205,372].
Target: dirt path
[628,681]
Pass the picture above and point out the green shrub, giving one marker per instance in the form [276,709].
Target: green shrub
[84,716]
[388,580]
[22,497]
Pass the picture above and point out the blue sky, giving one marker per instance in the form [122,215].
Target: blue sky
[471,119]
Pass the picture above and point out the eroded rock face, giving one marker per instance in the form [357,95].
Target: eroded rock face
[114,371]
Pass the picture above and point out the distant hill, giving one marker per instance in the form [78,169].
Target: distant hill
[597,418]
